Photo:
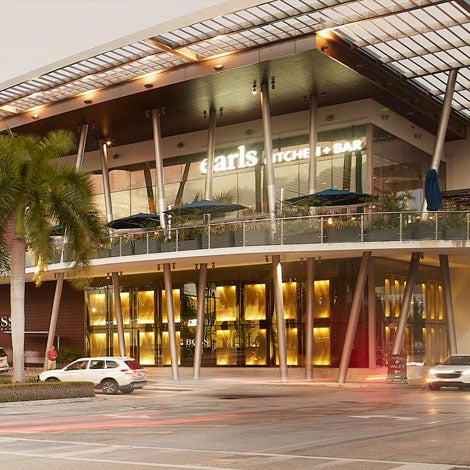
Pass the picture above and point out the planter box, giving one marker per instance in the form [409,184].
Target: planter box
[219,240]
[455,233]
[309,236]
[386,235]
[252,237]
[343,235]
[140,246]
[183,245]
[426,232]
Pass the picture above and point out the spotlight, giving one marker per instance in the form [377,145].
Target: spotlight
[221,111]
[88,101]
[218,67]
[254,88]
[196,266]
[173,265]
[266,258]
[158,267]
[204,114]
[273,83]
[108,143]
[148,85]
[213,264]
[35,116]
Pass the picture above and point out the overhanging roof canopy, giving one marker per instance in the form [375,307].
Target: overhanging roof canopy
[417,41]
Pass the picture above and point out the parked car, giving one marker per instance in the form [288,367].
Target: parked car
[109,374]
[453,371]
[3,360]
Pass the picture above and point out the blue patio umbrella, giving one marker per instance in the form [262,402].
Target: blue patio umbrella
[135,221]
[432,192]
[331,197]
[206,206]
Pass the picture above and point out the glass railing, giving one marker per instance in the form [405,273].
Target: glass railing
[318,229]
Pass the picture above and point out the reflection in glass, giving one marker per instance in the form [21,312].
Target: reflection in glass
[166,355]
[255,345]
[98,344]
[227,347]
[146,342]
[289,296]
[322,299]
[145,307]
[97,307]
[226,303]
[255,301]
[176,306]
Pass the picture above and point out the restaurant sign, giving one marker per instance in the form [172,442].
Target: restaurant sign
[244,158]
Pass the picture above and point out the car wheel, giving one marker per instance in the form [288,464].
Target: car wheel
[129,389]
[109,386]
[52,379]
[434,387]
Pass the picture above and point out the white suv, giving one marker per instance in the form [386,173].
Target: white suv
[110,374]
[3,360]
[453,371]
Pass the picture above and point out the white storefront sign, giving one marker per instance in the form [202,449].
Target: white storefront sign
[249,158]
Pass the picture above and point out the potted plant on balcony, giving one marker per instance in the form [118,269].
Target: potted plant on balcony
[385,225]
[339,229]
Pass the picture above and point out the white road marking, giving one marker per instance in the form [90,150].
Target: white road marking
[134,464]
[398,418]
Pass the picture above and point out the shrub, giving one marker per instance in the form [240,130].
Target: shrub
[45,391]
[67,355]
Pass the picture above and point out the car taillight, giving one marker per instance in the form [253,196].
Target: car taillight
[127,371]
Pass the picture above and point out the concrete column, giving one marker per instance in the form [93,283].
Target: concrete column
[309,311]
[313,126]
[54,314]
[81,146]
[369,163]
[354,316]
[449,308]
[159,167]
[406,302]
[171,321]
[281,325]
[201,296]
[371,313]
[268,150]
[118,310]
[210,154]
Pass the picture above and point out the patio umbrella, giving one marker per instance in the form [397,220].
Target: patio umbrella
[134,221]
[330,197]
[205,206]
[432,191]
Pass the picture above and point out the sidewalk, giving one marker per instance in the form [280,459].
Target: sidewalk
[269,375]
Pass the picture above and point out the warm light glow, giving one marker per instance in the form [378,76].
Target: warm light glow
[176,306]
[321,346]
[255,302]
[325,33]
[226,303]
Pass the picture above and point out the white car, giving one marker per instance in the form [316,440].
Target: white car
[3,360]
[453,371]
[110,374]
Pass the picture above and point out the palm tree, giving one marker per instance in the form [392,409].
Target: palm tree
[36,193]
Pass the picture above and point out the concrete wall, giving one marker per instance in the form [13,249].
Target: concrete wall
[457,155]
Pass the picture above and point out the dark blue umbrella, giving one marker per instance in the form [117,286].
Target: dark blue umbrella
[134,221]
[331,197]
[432,191]
[205,206]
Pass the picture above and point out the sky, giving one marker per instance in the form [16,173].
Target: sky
[38,36]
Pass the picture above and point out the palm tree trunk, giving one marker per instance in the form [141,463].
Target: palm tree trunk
[17,294]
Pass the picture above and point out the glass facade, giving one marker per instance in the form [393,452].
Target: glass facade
[240,326]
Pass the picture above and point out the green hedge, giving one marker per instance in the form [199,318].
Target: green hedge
[28,391]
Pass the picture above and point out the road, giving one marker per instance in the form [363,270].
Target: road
[242,424]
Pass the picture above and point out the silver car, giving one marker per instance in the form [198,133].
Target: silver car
[453,371]
[110,374]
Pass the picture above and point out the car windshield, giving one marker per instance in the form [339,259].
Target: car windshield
[133,364]
[456,361]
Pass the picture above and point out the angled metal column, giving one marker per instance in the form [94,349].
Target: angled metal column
[313,125]
[109,217]
[106,184]
[60,276]
[149,188]
[159,166]
[54,314]
[406,302]
[443,122]
[201,296]
[184,179]
[354,316]
[171,321]
[449,308]
[281,324]
[268,150]
[210,154]
[371,314]
[309,319]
